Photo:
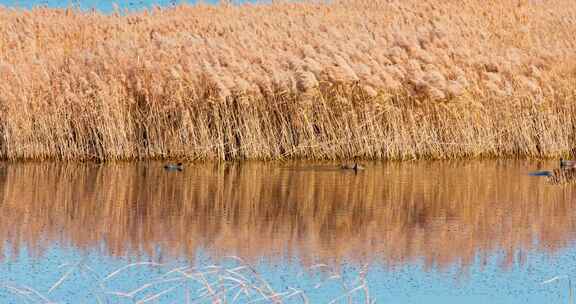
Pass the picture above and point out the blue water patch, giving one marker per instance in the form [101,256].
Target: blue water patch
[540,173]
[69,275]
[103,6]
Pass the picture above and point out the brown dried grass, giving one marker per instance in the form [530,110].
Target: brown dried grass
[370,79]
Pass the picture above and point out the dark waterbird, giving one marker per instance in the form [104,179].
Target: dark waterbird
[356,167]
[564,163]
[174,167]
[558,176]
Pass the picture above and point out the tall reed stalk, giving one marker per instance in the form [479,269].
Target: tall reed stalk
[369,79]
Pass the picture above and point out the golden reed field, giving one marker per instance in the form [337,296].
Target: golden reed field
[397,79]
[442,215]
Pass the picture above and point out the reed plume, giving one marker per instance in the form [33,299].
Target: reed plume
[379,80]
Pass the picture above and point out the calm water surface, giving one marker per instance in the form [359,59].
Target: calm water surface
[413,232]
[107,6]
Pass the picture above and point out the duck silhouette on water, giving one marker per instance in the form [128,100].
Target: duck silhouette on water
[567,164]
[356,167]
[174,167]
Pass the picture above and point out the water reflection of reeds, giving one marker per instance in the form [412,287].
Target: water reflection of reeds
[442,213]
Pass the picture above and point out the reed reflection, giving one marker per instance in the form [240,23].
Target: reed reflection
[441,213]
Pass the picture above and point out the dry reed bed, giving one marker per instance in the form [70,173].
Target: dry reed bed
[372,79]
[390,215]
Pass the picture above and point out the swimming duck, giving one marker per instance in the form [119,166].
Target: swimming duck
[174,167]
[356,167]
[571,164]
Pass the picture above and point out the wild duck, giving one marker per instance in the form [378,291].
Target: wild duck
[174,167]
[355,167]
[564,163]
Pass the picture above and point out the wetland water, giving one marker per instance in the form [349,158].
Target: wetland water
[101,5]
[413,232]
